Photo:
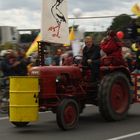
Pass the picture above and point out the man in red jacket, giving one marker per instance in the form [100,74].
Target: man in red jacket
[112,46]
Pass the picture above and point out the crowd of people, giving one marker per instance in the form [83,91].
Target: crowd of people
[13,63]
[16,63]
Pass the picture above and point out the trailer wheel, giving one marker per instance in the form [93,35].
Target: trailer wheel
[67,114]
[20,124]
[114,97]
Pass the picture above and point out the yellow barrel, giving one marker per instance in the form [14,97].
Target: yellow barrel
[24,98]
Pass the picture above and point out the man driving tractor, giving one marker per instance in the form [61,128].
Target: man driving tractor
[91,58]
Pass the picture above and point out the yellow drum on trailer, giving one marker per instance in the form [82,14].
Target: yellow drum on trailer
[24,98]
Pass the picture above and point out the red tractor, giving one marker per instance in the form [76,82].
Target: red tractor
[65,91]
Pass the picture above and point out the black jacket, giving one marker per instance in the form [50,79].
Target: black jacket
[138,59]
[92,53]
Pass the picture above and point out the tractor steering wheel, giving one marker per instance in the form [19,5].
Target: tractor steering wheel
[77,59]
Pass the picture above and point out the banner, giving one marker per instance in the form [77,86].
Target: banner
[55,21]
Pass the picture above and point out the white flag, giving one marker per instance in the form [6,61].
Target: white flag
[55,21]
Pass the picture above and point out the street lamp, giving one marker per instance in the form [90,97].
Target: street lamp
[77,12]
[76,45]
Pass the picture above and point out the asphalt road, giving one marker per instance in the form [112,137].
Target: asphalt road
[91,127]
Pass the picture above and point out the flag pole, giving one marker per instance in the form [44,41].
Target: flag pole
[41,52]
[41,46]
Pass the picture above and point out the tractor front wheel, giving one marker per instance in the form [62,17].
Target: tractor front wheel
[114,97]
[67,114]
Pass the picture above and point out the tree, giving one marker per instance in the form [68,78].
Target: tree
[97,36]
[120,22]
[25,38]
[9,45]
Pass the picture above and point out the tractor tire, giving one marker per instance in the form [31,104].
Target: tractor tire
[20,124]
[114,97]
[67,114]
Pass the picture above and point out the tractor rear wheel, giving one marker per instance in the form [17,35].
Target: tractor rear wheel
[114,97]
[67,114]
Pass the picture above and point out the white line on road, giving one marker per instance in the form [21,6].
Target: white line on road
[3,118]
[115,138]
[125,136]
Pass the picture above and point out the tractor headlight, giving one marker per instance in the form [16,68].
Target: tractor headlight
[58,78]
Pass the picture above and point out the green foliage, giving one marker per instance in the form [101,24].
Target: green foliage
[97,36]
[1,47]
[24,38]
[120,22]
[138,21]
[9,45]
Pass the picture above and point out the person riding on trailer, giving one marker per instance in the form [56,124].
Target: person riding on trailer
[137,53]
[112,46]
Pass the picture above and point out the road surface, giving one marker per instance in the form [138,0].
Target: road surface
[91,127]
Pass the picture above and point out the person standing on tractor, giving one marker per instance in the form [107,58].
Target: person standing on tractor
[112,46]
[137,65]
[91,58]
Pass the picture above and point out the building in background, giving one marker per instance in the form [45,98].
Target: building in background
[9,34]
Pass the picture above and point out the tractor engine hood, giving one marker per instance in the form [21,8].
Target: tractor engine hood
[53,71]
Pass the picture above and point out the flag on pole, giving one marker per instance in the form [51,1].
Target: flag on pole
[136,9]
[72,34]
[71,37]
[34,45]
[55,21]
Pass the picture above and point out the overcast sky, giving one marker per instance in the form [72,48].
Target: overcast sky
[27,13]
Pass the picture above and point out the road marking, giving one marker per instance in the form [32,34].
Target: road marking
[125,136]
[3,118]
[116,138]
